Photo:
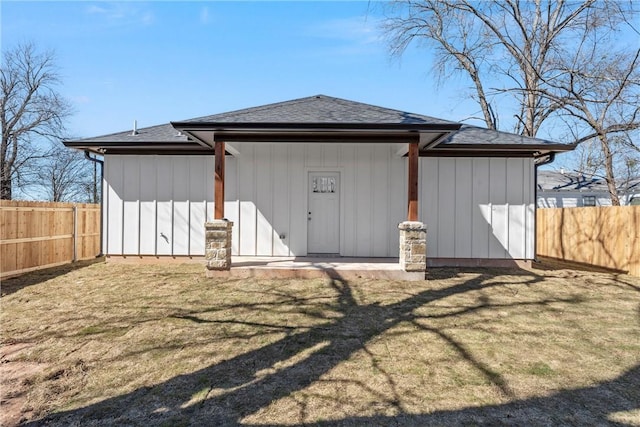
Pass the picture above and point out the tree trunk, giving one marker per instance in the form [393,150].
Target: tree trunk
[5,189]
[608,165]
[5,177]
[95,183]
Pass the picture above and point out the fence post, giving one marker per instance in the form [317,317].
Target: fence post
[75,233]
[26,226]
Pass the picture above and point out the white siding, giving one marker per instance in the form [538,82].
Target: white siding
[297,233]
[155,205]
[272,189]
[114,207]
[164,202]
[463,205]
[131,205]
[484,207]
[480,204]
[197,191]
[148,205]
[281,200]
[474,208]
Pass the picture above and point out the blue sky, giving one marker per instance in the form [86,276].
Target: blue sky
[161,61]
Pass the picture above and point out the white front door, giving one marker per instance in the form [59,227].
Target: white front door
[323,213]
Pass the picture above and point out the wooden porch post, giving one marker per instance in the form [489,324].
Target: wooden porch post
[413,234]
[412,214]
[218,198]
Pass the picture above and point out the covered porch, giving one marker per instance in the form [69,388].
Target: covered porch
[329,122]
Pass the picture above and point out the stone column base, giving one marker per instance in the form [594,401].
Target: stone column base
[217,249]
[413,246]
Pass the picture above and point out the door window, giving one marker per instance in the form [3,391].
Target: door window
[324,184]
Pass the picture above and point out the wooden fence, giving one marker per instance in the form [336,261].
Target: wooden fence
[602,236]
[36,235]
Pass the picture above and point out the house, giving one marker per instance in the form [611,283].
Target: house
[320,175]
[564,189]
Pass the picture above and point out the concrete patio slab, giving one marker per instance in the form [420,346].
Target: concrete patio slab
[315,267]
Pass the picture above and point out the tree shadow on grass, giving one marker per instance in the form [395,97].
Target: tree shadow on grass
[544,263]
[621,277]
[229,391]
[595,405]
[16,283]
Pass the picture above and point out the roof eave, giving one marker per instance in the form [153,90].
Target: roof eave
[209,132]
[541,148]
[148,147]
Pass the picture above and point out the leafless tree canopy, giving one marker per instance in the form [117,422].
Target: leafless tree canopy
[30,108]
[555,58]
[600,94]
[64,175]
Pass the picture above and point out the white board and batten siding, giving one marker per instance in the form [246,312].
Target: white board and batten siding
[156,205]
[272,183]
[473,208]
[480,208]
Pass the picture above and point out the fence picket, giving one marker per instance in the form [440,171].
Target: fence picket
[605,236]
[36,235]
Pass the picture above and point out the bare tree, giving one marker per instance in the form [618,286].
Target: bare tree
[589,160]
[533,52]
[456,37]
[600,91]
[62,175]
[30,108]
[510,42]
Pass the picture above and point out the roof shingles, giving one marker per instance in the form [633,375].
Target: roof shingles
[323,110]
[160,133]
[474,135]
[320,109]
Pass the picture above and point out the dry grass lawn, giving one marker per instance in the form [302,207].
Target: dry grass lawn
[111,344]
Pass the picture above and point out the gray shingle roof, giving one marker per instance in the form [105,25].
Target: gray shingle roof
[160,133]
[320,109]
[553,180]
[474,135]
[573,181]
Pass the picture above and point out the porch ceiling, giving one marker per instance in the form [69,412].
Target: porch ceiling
[208,135]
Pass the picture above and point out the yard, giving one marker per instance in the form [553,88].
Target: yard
[103,344]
